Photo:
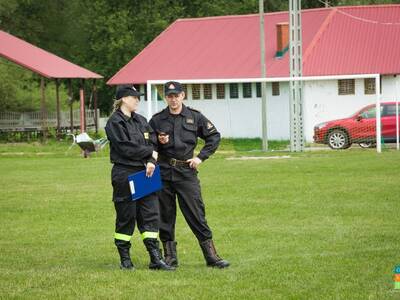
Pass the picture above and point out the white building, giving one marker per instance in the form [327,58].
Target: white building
[336,41]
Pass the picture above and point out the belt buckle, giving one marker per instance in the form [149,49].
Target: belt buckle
[172,162]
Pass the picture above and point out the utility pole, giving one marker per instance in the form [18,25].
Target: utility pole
[263,75]
[296,87]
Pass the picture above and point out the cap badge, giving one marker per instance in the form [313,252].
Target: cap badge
[133,88]
[171,86]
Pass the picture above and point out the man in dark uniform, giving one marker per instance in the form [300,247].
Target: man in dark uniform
[132,142]
[177,128]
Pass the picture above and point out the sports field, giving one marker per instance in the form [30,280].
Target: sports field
[316,225]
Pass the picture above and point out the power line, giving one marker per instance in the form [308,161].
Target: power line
[358,18]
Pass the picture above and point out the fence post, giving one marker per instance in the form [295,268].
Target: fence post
[43,107]
[58,108]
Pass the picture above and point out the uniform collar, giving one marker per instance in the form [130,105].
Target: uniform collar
[185,112]
[125,117]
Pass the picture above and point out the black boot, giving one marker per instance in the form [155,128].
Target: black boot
[156,260]
[211,256]
[126,263]
[170,253]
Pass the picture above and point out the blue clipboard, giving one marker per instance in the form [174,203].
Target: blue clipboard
[142,186]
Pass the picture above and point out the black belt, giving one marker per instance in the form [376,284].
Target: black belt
[174,162]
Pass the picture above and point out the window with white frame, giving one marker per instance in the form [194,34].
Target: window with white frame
[233,90]
[220,91]
[346,86]
[196,91]
[258,89]
[145,92]
[275,89]
[184,88]
[160,92]
[247,90]
[369,86]
[207,89]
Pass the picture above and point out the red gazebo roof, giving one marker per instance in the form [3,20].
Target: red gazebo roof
[40,61]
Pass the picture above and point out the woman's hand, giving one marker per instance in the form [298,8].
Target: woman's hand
[150,169]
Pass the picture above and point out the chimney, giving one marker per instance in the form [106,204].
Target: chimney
[282,39]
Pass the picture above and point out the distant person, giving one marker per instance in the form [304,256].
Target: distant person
[178,128]
[131,150]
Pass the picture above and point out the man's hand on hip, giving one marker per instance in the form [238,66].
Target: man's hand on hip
[194,162]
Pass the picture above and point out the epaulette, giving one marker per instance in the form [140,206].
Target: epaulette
[191,108]
[158,113]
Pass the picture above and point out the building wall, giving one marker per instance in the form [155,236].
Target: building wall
[322,102]
[241,118]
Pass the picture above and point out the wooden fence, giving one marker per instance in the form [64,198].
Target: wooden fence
[36,121]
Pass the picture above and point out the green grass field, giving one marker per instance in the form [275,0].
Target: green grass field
[317,225]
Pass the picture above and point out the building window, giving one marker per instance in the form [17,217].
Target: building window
[247,90]
[145,92]
[233,90]
[160,92]
[195,91]
[275,89]
[207,89]
[184,88]
[346,87]
[258,89]
[369,86]
[220,91]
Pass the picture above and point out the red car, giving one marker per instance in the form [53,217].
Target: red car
[359,128]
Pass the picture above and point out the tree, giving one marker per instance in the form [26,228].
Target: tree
[104,35]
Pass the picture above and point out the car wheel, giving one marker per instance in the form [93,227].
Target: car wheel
[367,145]
[338,139]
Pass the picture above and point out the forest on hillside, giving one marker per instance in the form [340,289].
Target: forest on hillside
[103,35]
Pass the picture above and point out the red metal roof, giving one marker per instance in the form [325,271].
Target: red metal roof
[39,60]
[340,40]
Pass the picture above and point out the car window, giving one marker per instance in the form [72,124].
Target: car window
[390,110]
[370,112]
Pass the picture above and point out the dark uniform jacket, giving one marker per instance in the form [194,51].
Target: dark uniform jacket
[132,140]
[183,131]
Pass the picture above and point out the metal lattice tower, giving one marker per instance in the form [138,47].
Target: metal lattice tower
[296,87]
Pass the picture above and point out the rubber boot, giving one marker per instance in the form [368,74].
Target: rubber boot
[156,260]
[126,263]
[211,256]
[170,253]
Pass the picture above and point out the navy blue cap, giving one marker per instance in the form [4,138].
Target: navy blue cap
[172,87]
[127,90]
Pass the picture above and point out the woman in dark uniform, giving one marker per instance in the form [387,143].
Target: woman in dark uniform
[131,150]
